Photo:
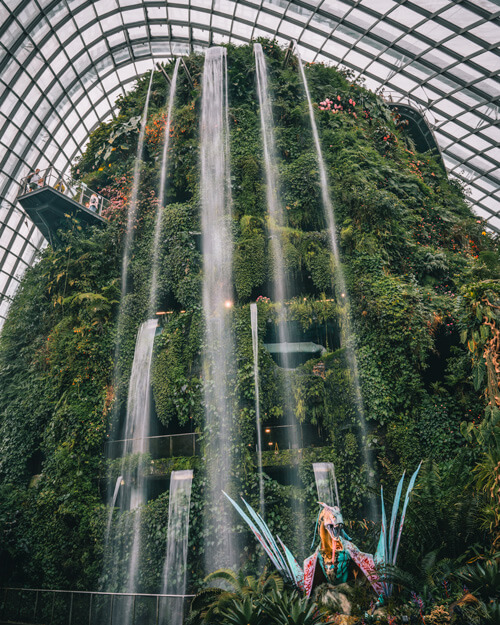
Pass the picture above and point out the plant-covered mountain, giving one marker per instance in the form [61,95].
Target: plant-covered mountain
[425,304]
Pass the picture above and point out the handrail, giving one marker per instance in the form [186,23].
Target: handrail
[77,191]
[14,606]
[96,592]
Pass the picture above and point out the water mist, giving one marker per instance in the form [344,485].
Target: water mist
[348,334]
[219,353]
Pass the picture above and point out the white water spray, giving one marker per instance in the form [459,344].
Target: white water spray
[276,223]
[161,193]
[175,566]
[112,508]
[123,557]
[326,483]
[341,288]
[219,353]
[255,348]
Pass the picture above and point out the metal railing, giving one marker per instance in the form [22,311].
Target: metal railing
[78,607]
[165,446]
[77,191]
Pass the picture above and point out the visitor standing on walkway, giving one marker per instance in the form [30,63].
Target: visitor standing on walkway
[94,202]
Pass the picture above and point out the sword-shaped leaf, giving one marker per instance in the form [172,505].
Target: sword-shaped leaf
[381,553]
[395,507]
[270,538]
[403,513]
[262,540]
[298,573]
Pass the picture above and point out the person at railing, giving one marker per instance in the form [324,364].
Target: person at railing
[94,202]
[34,180]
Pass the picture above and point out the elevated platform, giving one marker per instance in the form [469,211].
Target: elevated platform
[52,200]
[51,210]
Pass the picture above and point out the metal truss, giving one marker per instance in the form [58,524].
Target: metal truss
[64,62]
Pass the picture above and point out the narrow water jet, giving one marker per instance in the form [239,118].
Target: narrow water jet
[127,246]
[342,291]
[326,483]
[255,348]
[175,566]
[122,548]
[132,204]
[112,507]
[276,224]
[219,352]
[162,192]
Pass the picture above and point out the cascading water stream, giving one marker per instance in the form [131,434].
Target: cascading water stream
[326,483]
[175,566]
[219,353]
[255,348]
[127,245]
[341,287]
[112,507]
[122,549]
[132,204]
[276,223]
[161,192]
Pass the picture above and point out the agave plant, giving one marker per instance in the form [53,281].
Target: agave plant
[291,608]
[241,603]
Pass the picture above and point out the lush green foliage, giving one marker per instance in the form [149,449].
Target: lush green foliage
[425,301]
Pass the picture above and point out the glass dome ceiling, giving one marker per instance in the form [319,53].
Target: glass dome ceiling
[64,62]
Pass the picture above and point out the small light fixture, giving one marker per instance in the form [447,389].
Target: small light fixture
[161,312]
[270,443]
[342,295]
[268,430]
[183,311]
[228,303]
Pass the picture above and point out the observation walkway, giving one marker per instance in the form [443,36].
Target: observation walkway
[75,607]
[51,200]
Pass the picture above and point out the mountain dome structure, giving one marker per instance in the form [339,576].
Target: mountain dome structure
[266,307]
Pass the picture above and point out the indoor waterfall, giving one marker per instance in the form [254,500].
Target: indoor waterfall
[122,553]
[348,337]
[326,483]
[175,566]
[219,353]
[276,224]
[132,203]
[112,507]
[162,192]
[255,349]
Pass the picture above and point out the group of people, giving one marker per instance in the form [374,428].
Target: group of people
[35,181]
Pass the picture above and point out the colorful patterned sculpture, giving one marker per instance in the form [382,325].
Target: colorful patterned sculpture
[335,553]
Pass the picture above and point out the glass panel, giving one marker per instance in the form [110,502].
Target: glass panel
[489,32]
[462,44]
[489,86]
[133,16]
[405,16]
[381,6]
[178,15]
[335,7]
[221,23]
[355,59]
[200,17]
[458,16]
[434,31]
[270,21]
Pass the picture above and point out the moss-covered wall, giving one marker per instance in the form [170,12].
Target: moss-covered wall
[422,277]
